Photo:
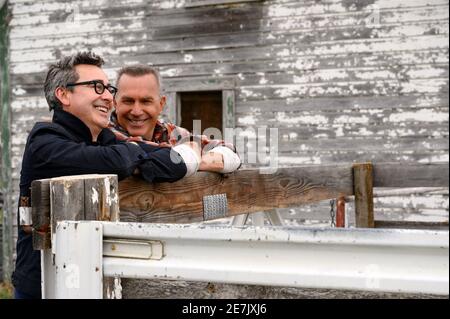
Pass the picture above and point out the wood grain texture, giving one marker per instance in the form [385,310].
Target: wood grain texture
[411,175]
[247,191]
[363,191]
[66,200]
[78,197]
[40,209]
[101,198]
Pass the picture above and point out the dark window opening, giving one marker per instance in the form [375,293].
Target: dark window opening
[204,106]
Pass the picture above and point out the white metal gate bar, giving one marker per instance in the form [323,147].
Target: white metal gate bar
[413,261]
[392,260]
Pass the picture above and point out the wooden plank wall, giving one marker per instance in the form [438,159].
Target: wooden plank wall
[338,88]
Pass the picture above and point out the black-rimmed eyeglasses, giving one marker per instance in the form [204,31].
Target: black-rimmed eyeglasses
[99,87]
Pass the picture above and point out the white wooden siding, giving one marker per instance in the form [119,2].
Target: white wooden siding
[337,89]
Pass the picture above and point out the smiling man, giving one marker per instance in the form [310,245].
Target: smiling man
[77,142]
[139,103]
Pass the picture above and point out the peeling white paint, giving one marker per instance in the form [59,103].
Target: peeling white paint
[299,64]
[94,196]
[107,190]
[263,81]
[314,119]
[172,4]
[372,111]
[18,90]
[255,110]
[425,86]
[169,72]
[300,160]
[188,58]
[247,120]
[28,67]
[363,131]
[427,73]
[400,132]
[283,53]
[280,10]
[247,92]
[340,132]
[436,159]
[382,74]
[344,119]
[414,201]
[69,28]
[424,115]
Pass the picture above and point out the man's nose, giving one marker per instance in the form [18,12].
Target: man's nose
[107,96]
[136,109]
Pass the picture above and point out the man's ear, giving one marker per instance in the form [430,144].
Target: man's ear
[63,96]
[162,103]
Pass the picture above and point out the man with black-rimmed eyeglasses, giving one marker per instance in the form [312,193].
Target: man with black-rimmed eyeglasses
[98,86]
[77,142]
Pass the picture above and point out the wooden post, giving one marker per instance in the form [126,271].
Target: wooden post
[86,197]
[80,197]
[363,190]
[40,209]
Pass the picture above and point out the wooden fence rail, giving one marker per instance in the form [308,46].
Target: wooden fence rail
[207,195]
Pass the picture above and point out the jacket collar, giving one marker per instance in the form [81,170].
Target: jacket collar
[80,130]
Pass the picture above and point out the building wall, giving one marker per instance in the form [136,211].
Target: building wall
[5,160]
[343,81]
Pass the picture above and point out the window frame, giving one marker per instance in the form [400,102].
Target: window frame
[172,111]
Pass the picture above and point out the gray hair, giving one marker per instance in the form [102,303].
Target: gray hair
[140,70]
[63,72]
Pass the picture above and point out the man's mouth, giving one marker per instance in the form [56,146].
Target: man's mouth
[137,122]
[102,108]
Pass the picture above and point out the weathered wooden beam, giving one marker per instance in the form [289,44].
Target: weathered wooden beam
[40,210]
[83,197]
[410,175]
[102,198]
[246,191]
[79,197]
[363,191]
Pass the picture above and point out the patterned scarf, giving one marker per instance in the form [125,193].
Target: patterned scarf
[166,134]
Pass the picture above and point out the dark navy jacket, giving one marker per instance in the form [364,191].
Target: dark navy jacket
[64,147]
